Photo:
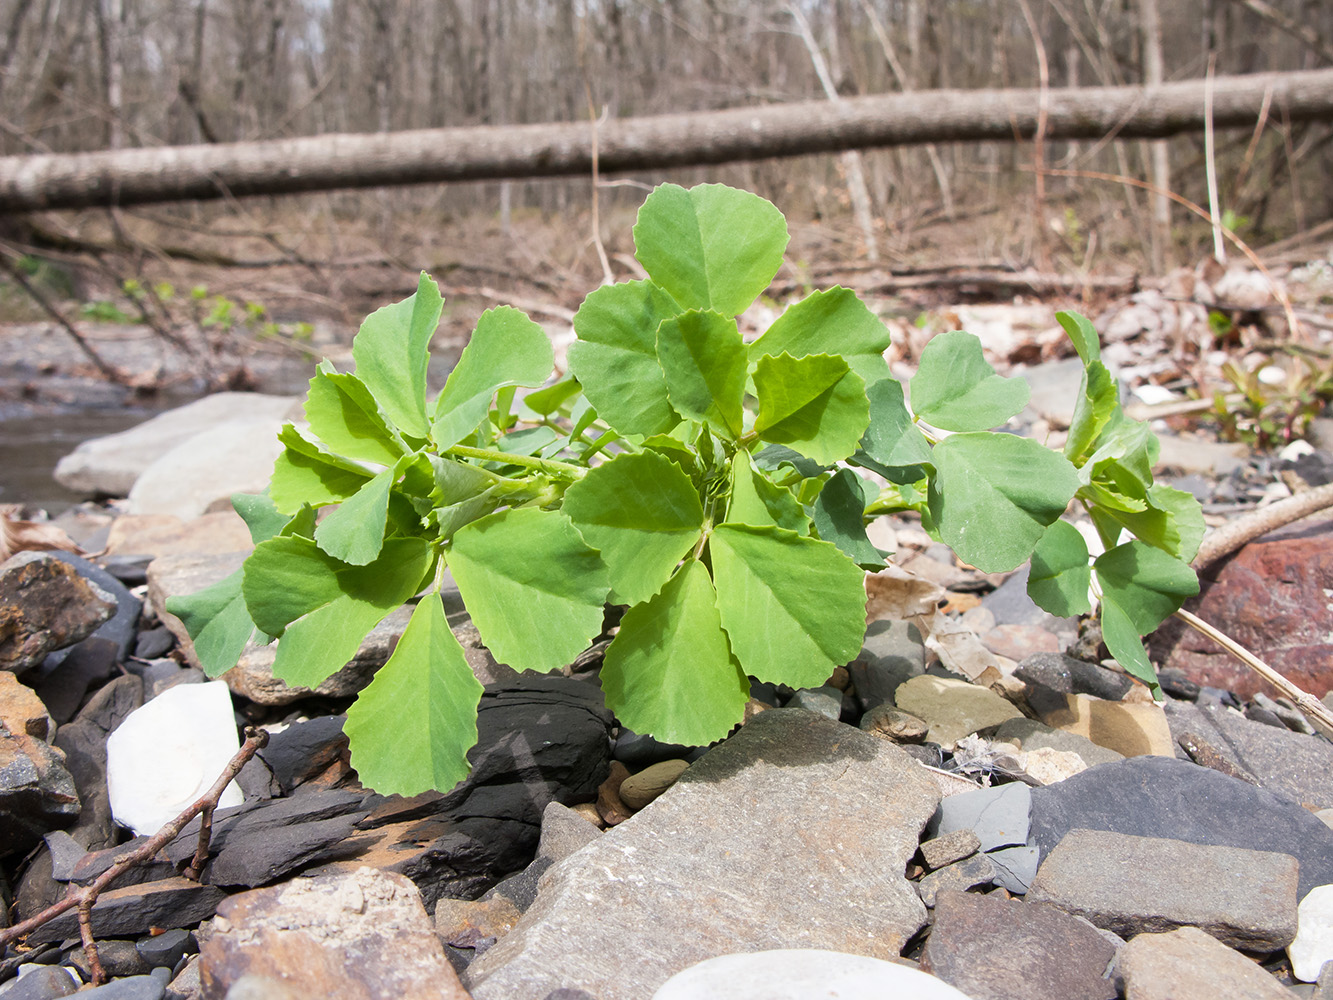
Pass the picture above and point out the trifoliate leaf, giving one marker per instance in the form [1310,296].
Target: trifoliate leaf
[1060,575]
[392,350]
[892,441]
[711,247]
[322,608]
[346,417]
[506,349]
[955,388]
[533,586]
[410,730]
[834,321]
[669,671]
[643,513]
[615,357]
[840,518]
[993,496]
[703,357]
[792,607]
[1145,583]
[1172,521]
[815,405]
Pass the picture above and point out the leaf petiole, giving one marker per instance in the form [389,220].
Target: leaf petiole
[563,469]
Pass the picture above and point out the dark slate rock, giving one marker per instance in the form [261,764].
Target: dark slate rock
[164,951]
[521,889]
[1009,950]
[42,984]
[638,750]
[257,781]
[121,628]
[1296,766]
[131,988]
[1169,798]
[37,793]
[134,910]
[94,863]
[66,852]
[131,570]
[35,889]
[63,685]
[973,871]
[1069,675]
[154,643]
[304,749]
[1177,684]
[118,958]
[84,744]
[825,701]
[893,653]
[45,605]
[930,754]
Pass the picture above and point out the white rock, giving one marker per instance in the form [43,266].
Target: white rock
[1314,934]
[803,975]
[165,755]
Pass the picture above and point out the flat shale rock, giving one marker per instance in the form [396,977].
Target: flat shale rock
[135,909]
[707,868]
[37,793]
[1271,597]
[1170,798]
[999,949]
[1293,765]
[1134,885]
[45,605]
[1188,964]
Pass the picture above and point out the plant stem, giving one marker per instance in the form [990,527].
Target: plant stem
[528,461]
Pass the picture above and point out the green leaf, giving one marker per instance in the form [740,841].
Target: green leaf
[551,398]
[816,405]
[1172,522]
[1060,575]
[306,474]
[1098,399]
[993,496]
[1124,643]
[834,321]
[321,607]
[392,350]
[217,621]
[354,531]
[505,349]
[615,357]
[260,514]
[1123,456]
[955,389]
[703,357]
[758,501]
[793,607]
[840,518]
[533,586]
[669,671]
[892,440]
[643,513]
[346,417]
[1084,336]
[1145,583]
[711,247]
[411,729]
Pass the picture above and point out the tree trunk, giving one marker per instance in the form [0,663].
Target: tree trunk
[317,163]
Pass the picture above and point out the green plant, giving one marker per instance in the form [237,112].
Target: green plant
[1268,413]
[715,488]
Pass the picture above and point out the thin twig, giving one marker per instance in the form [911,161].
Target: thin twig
[1230,537]
[1210,164]
[83,897]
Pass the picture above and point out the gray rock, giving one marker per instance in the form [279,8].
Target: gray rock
[826,701]
[1188,964]
[37,793]
[1015,867]
[154,642]
[950,847]
[961,875]
[954,708]
[636,750]
[130,988]
[1165,797]
[62,685]
[1010,950]
[1135,885]
[705,869]
[304,749]
[997,815]
[563,832]
[66,852]
[1293,765]
[1011,605]
[1030,734]
[45,605]
[118,958]
[1053,389]
[134,910]
[42,984]
[167,949]
[186,985]
[109,465]
[893,652]
[122,627]
[1069,675]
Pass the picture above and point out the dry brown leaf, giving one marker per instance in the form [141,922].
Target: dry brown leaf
[898,594]
[30,536]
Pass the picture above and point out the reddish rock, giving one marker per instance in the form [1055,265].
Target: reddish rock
[1273,597]
[45,605]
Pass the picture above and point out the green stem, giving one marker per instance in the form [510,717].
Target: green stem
[527,461]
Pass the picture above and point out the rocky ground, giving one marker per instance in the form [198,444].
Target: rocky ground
[975,807]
